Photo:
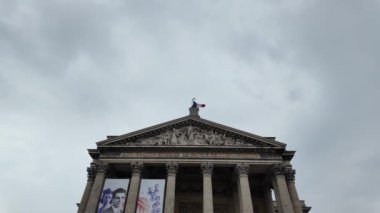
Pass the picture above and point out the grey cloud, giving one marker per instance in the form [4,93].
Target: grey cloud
[338,43]
[72,72]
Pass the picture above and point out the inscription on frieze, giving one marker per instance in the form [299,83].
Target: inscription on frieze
[165,155]
[191,136]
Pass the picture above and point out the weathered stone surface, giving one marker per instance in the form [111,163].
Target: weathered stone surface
[134,187]
[191,130]
[210,167]
[245,197]
[191,136]
[172,169]
[281,190]
[96,188]
[208,205]
[290,177]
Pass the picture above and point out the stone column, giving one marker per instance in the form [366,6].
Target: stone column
[245,199]
[91,173]
[96,190]
[268,200]
[283,201]
[134,187]
[290,177]
[208,205]
[170,187]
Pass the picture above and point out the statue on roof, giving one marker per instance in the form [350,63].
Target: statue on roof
[195,108]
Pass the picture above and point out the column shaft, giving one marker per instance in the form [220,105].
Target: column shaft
[290,177]
[134,186]
[245,198]
[96,190]
[277,195]
[208,205]
[283,201]
[268,200]
[86,195]
[91,173]
[170,187]
[294,197]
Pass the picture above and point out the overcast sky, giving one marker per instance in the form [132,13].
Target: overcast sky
[305,71]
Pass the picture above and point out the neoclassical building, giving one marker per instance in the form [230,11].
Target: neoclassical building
[203,166]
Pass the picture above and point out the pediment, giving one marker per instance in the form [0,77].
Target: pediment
[190,131]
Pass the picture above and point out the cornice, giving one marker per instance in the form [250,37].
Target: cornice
[211,149]
[192,121]
[288,155]
[94,153]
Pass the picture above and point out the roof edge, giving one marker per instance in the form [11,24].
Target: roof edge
[269,140]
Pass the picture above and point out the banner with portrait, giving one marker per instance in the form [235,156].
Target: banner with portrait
[151,196]
[114,196]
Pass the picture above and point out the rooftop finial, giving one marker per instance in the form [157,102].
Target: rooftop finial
[194,109]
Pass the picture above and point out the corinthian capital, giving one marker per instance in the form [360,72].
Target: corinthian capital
[91,171]
[172,168]
[137,167]
[242,169]
[278,169]
[102,168]
[290,174]
[207,168]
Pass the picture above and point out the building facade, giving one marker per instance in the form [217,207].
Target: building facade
[191,165]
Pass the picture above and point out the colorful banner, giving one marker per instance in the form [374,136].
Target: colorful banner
[113,196]
[151,197]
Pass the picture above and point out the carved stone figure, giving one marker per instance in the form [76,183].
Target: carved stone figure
[220,139]
[239,141]
[190,133]
[165,138]
[182,137]
[229,141]
[190,136]
[147,141]
[174,139]
[212,138]
[198,139]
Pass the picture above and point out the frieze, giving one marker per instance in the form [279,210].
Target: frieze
[265,152]
[177,155]
[191,135]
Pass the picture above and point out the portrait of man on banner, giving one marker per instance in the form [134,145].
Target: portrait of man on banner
[114,195]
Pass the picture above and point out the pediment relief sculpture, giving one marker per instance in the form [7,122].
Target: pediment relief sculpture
[191,135]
